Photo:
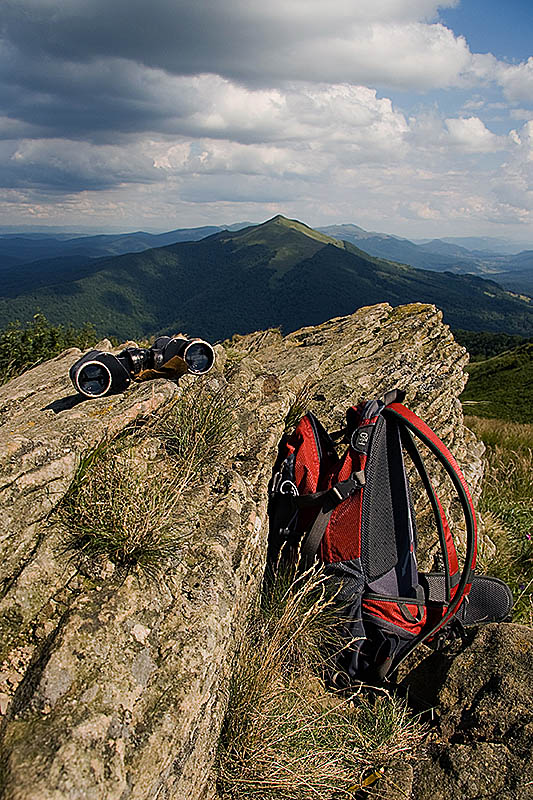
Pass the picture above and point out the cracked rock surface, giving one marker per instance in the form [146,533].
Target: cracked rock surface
[484,741]
[113,685]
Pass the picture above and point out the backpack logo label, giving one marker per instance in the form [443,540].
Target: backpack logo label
[361,438]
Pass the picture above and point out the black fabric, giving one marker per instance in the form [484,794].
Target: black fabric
[411,448]
[387,531]
[311,542]
[370,645]
[489,600]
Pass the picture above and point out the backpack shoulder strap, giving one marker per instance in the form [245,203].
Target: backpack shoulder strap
[423,432]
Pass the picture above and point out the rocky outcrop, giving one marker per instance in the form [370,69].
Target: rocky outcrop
[484,738]
[113,683]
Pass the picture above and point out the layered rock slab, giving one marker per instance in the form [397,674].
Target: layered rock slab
[116,687]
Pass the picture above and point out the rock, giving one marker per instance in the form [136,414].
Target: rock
[121,679]
[484,740]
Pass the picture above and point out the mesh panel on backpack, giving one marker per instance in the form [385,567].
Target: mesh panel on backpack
[387,514]
[489,599]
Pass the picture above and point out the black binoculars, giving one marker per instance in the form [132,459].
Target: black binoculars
[99,373]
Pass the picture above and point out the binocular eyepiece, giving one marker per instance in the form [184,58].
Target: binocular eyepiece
[99,373]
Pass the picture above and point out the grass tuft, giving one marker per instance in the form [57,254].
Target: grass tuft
[130,501]
[285,736]
[120,508]
[197,430]
[300,405]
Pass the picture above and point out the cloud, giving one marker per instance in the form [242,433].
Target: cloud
[149,110]
[218,128]
[59,165]
[472,136]
[388,43]
[517,81]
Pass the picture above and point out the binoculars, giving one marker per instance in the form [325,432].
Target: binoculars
[99,373]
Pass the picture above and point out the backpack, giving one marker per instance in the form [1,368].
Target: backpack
[353,514]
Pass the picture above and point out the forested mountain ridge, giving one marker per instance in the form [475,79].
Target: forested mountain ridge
[280,273]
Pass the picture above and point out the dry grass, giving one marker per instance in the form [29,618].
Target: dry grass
[300,405]
[197,430]
[507,506]
[122,509]
[130,499]
[285,737]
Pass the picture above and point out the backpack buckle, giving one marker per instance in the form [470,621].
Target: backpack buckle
[281,485]
[342,490]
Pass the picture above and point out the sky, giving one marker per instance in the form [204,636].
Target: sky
[411,117]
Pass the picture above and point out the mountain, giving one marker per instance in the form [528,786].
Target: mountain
[351,233]
[441,247]
[40,250]
[41,247]
[484,244]
[513,270]
[279,273]
[502,386]
[436,254]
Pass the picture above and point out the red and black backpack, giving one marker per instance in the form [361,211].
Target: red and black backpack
[354,515]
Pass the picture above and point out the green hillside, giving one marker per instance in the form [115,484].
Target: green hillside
[502,386]
[280,273]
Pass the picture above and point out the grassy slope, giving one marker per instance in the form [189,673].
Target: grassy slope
[507,508]
[281,273]
[502,386]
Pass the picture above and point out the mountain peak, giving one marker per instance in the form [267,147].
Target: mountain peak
[279,221]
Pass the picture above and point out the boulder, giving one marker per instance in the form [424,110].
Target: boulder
[113,683]
[483,742]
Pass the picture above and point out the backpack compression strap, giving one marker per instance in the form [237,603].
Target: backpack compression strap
[415,425]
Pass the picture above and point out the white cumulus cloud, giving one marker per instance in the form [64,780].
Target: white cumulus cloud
[471,135]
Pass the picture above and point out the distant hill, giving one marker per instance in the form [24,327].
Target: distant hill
[519,280]
[514,271]
[41,247]
[482,345]
[485,244]
[279,273]
[502,386]
[404,251]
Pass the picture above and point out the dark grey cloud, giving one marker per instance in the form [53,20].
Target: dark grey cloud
[201,102]
[59,167]
[97,69]
[235,38]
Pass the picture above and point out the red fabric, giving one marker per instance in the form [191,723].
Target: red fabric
[307,464]
[342,538]
[389,610]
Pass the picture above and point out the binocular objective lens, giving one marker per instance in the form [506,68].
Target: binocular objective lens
[199,357]
[93,380]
